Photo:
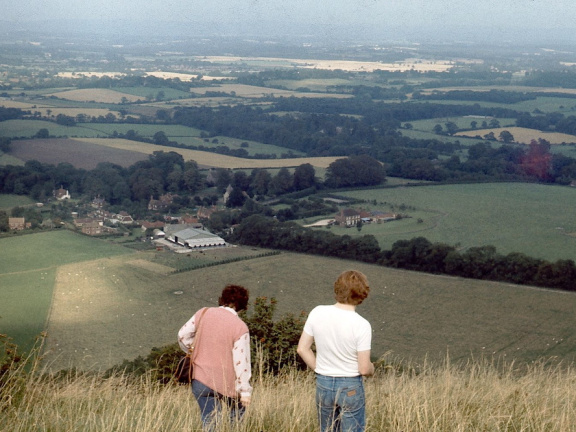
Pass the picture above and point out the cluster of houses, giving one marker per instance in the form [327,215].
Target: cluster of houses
[179,233]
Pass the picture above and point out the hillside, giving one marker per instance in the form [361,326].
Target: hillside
[99,304]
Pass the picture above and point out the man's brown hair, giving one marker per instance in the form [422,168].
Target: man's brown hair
[351,287]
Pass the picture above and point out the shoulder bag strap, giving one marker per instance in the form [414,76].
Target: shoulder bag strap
[192,351]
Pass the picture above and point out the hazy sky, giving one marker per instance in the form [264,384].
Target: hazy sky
[485,16]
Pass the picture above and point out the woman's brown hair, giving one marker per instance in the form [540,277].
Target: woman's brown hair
[235,296]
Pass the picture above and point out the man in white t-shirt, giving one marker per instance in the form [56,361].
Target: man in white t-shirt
[343,342]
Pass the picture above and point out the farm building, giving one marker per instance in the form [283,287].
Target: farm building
[347,217]
[195,238]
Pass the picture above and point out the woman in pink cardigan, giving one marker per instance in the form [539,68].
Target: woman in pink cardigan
[222,368]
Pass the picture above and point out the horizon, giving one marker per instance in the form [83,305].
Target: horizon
[517,21]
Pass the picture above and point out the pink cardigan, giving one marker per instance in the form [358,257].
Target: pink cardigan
[222,355]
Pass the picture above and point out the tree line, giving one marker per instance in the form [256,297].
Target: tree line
[417,254]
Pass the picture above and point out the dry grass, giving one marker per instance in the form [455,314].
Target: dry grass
[523,135]
[346,65]
[207,159]
[96,95]
[248,91]
[478,397]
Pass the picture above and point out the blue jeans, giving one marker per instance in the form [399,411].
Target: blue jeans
[341,403]
[211,402]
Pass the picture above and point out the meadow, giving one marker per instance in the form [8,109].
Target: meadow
[102,292]
[515,217]
[9,201]
[478,398]
[28,267]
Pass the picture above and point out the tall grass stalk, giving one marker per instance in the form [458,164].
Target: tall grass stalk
[480,396]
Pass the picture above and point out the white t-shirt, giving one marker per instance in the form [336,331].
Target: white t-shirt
[339,335]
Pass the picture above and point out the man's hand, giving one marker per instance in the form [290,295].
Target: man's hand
[245,400]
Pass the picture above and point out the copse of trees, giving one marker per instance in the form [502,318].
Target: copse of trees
[417,254]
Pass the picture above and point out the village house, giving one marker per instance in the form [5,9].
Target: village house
[81,222]
[347,217]
[98,202]
[205,212]
[61,194]
[161,203]
[92,228]
[123,218]
[18,224]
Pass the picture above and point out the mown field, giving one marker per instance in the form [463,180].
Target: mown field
[28,266]
[515,217]
[207,159]
[109,305]
[88,152]
[78,153]
[98,304]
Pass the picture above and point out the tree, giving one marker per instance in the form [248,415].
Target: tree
[42,133]
[259,181]
[304,177]
[437,129]
[160,138]
[281,183]
[192,177]
[236,198]
[506,137]
[361,170]
[494,123]
[277,339]
[4,227]
[490,136]
[451,128]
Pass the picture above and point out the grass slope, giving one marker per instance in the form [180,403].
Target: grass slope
[28,267]
[108,310]
[515,217]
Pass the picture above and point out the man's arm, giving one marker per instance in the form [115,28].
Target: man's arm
[365,366]
[305,350]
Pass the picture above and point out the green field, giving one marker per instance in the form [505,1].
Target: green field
[515,217]
[29,128]
[109,305]
[120,310]
[145,130]
[28,265]
[546,104]
[9,201]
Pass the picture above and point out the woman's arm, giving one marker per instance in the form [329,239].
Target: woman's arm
[365,366]
[305,350]
[186,334]
[242,368]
